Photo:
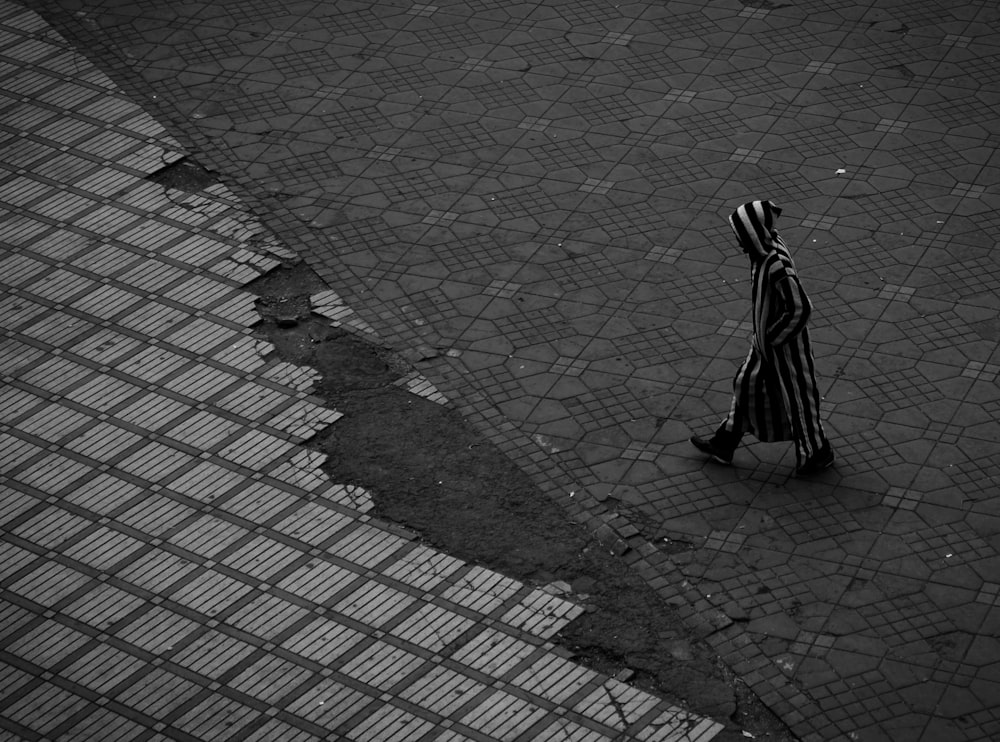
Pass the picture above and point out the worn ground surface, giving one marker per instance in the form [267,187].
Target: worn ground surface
[430,471]
[174,562]
[529,203]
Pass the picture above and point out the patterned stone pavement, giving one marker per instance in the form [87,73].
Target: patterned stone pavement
[529,198]
[174,565]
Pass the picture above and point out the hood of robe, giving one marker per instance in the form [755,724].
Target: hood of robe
[753,223]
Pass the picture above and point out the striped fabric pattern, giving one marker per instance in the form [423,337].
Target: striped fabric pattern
[775,393]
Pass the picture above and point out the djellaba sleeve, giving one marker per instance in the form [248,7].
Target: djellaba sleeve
[790,311]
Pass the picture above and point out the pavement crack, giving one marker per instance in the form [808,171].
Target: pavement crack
[623,717]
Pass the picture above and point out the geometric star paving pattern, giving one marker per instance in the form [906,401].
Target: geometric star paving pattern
[532,197]
[174,565]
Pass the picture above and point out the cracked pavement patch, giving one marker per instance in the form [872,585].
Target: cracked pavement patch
[430,472]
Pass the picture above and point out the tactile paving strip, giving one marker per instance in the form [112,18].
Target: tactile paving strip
[174,563]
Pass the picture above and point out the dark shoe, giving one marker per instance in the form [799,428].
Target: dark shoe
[722,455]
[822,459]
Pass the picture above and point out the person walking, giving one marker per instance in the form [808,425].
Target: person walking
[775,396]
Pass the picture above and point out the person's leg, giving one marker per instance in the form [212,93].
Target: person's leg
[724,442]
[730,431]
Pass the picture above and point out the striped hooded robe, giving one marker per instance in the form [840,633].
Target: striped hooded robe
[775,394]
